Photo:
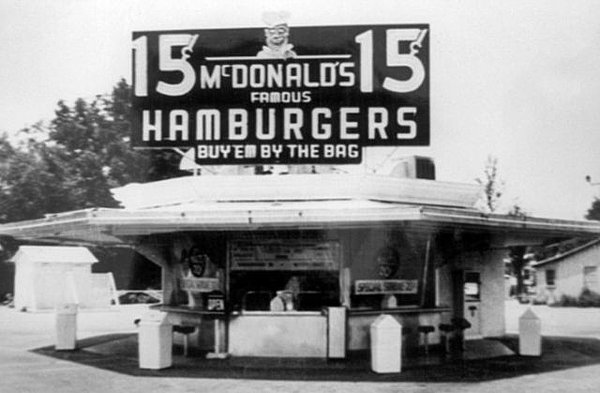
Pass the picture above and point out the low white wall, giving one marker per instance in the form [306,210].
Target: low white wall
[359,328]
[292,335]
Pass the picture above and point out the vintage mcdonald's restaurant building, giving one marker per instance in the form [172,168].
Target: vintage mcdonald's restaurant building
[300,265]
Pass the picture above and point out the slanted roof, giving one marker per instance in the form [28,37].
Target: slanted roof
[114,226]
[250,203]
[326,187]
[568,254]
[53,254]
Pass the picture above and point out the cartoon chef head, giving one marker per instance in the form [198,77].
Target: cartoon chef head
[277,33]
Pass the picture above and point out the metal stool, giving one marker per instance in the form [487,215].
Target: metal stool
[446,329]
[185,331]
[425,330]
[460,325]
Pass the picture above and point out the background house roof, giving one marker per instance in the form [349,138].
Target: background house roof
[560,257]
[54,254]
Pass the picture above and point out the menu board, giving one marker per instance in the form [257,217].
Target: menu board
[286,255]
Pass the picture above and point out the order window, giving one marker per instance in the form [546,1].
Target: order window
[590,277]
[550,277]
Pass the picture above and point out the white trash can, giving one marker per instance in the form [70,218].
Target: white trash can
[386,345]
[155,341]
[530,334]
[66,327]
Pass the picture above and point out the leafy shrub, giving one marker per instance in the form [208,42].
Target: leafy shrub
[566,301]
[540,298]
[588,298]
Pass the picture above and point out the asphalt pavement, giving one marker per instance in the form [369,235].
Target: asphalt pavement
[106,362]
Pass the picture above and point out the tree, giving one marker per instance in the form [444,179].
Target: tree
[491,184]
[73,162]
[516,254]
[593,212]
[29,188]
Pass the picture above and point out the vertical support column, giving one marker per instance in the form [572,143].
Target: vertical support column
[426,267]
[336,332]
[220,343]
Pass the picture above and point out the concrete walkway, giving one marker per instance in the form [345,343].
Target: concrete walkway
[27,364]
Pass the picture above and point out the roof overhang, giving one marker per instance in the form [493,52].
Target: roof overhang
[119,226]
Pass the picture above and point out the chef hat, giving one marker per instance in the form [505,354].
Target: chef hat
[276,18]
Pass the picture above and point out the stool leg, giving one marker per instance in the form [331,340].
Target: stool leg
[426,342]
[444,340]
[185,344]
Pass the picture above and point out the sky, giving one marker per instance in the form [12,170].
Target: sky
[518,80]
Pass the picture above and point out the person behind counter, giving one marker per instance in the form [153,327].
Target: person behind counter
[285,299]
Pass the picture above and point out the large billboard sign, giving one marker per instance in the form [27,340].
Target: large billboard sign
[280,94]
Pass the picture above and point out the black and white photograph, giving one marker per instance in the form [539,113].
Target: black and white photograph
[275,195]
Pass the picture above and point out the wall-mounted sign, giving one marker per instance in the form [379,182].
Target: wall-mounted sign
[388,262]
[215,302]
[288,255]
[373,287]
[281,94]
[195,261]
[199,285]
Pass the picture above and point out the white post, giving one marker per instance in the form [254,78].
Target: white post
[530,334]
[66,327]
[386,345]
[155,341]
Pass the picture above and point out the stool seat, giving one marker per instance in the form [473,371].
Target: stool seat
[184,329]
[426,329]
[446,327]
[461,323]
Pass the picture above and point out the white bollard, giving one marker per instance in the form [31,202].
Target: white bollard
[530,334]
[66,327]
[386,345]
[155,341]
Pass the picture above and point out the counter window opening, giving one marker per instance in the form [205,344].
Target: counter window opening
[295,275]
[361,269]
[397,271]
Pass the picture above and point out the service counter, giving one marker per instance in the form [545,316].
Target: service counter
[187,316]
[283,295]
[316,334]
[278,334]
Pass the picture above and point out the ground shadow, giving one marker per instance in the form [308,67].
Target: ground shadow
[118,353]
